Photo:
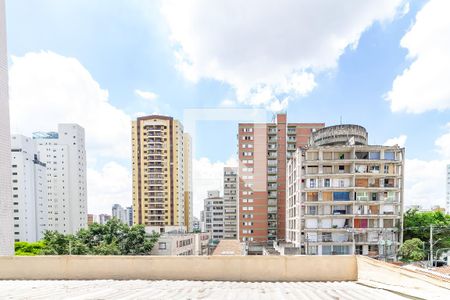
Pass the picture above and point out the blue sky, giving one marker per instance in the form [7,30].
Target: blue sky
[129,45]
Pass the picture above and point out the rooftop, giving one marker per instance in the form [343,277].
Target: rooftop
[162,289]
[213,277]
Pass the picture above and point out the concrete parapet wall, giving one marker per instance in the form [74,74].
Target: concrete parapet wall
[339,135]
[227,268]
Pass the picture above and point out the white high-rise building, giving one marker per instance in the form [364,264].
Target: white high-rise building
[6,207]
[120,213]
[214,215]
[129,211]
[447,204]
[29,190]
[65,156]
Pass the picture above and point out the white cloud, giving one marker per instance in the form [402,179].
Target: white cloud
[424,84]
[146,95]
[400,140]
[425,182]
[47,89]
[107,186]
[267,50]
[227,103]
[443,143]
[208,176]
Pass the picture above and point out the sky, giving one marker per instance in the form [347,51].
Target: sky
[382,64]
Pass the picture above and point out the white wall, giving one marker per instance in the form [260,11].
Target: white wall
[6,211]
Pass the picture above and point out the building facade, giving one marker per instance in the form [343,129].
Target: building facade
[180,244]
[64,154]
[6,211]
[120,213]
[214,215]
[103,218]
[159,172]
[129,211]
[345,196]
[263,150]
[29,190]
[230,202]
[188,192]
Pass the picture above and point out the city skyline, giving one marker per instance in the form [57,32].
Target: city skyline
[350,82]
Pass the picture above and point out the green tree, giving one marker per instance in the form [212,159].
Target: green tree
[417,225]
[112,238]
[28,249]
[412,250]
[59,244]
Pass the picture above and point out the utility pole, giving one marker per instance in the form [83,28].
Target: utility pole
[431,244]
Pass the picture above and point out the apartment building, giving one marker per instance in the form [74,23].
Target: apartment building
[214,215]
[91,219]
[6,211]
[64,154]
[263,150]
[129,212]
[29,190]
[178,243]
[345,196]
[120,213]
[230,202]
[159,183]
[103,218]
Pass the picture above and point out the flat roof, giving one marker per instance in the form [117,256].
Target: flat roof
[168,289]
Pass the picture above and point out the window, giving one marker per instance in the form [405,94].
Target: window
[162,245]
[374,197]
[312,250]
[341,169]
[312,210]
[312,183]
[327,182]
[362,196]
[374,155]
[375,169]
[389,155]
[341,196]
[326,250]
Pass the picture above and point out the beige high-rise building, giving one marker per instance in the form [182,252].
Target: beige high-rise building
[161,172]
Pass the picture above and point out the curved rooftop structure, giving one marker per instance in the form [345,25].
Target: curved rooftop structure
[346,134]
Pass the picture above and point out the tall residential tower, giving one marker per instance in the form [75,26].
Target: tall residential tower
[29,190]
[6,211]
[230,202]
[64,153]
[263,150]
[159,169]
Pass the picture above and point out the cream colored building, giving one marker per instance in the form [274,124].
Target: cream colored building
[162,193]
[345,196]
